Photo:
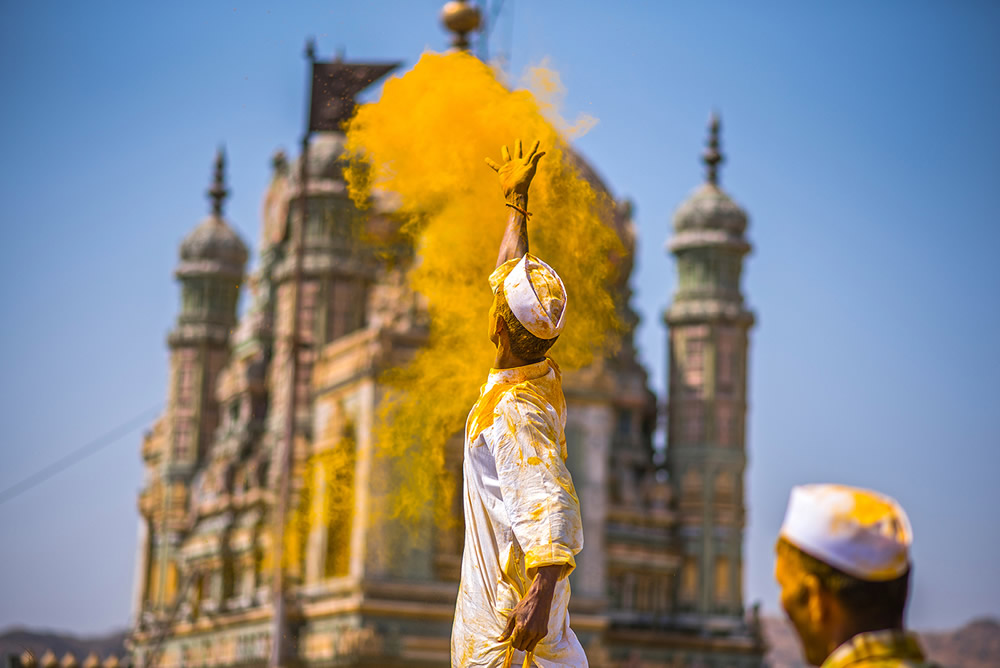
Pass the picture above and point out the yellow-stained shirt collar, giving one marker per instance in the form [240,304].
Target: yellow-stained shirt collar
[876,647]
[518,374]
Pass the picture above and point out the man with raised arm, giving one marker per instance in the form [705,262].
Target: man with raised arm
[522,515]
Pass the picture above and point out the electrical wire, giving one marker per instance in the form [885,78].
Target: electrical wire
[77,455]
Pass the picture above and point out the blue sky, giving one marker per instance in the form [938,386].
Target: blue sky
[861,138]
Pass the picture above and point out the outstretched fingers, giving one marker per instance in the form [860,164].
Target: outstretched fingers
[505,153]
[494,166]
[534,149]
[519,148]
[536,157]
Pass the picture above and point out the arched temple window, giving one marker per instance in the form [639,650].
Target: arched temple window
[723,489]
[691,484]
[689,580]
[339,471]
[722,579]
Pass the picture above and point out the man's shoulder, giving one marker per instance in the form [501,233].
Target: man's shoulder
[880,649]
[524,398]
[545,392]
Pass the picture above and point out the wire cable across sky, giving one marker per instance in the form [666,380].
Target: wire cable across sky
[78,455]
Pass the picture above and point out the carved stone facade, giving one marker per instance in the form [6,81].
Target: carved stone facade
[659,581]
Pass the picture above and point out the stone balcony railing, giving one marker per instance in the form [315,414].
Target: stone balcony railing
[48,660]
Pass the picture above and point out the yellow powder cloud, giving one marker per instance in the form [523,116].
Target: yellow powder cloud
[425,141]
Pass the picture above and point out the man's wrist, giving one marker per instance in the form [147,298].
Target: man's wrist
[518,199]
[546,578]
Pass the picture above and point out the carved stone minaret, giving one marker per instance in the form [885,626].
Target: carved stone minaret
[706,456]
[213,258]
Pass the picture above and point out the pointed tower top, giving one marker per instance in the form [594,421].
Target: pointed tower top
[712,157]
[218,193]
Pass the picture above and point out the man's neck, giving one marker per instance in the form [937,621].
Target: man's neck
[505,359]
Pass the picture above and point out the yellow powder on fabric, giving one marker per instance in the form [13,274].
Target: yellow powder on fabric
[425,142]
[868,509]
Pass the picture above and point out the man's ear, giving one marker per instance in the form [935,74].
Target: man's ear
[500,326]
[816,602]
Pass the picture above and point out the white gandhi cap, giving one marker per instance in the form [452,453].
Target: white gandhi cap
[860,532]
[536,295]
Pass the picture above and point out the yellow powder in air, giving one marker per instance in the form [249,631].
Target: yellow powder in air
[325,499]
[425,141]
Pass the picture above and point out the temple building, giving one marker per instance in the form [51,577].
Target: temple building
[660,580]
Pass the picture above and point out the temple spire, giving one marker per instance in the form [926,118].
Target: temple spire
[218,193]
[712,157]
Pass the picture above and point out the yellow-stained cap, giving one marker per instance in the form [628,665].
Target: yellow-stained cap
[535,293]
[861,532]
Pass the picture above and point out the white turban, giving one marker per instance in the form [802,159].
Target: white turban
[535,293]
[860,532]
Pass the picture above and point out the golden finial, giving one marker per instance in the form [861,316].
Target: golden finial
[461,17]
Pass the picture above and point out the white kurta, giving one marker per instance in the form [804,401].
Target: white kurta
[521,512]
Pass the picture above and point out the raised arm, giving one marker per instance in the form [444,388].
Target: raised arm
[515,178]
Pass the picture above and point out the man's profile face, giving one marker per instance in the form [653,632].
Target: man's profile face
[795,601]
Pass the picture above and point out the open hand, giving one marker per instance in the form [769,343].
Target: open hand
[516,173]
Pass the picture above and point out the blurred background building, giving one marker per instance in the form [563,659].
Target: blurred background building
[660,581]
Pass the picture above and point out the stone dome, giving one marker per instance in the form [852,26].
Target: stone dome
[710,208]
[620,214]
[214,247]
[325,152]
[214,240]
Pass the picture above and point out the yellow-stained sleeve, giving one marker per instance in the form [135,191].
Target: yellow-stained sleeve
[537,489]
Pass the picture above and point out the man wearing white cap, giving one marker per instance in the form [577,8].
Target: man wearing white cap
[843,565]
[522,515]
